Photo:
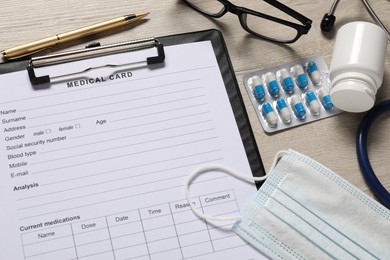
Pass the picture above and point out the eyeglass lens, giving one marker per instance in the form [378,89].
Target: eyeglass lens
[269,29]
[209,7]
[256,25]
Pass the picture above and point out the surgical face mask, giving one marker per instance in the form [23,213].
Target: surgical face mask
[304,210]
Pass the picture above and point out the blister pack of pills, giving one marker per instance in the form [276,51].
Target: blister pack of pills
[291,94]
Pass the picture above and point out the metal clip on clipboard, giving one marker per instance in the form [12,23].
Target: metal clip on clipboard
[81,54]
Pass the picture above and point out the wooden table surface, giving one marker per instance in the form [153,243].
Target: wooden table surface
[330,141]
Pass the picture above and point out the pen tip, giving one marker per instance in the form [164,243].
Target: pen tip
[142,15]
[135,17]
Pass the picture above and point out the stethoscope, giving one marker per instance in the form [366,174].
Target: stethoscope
[329,19]
[361,149]
[372,180]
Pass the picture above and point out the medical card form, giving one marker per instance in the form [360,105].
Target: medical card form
[93,167]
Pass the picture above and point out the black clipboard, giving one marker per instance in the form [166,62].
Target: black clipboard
[228,76]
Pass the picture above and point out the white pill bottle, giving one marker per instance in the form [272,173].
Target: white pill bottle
[357,67]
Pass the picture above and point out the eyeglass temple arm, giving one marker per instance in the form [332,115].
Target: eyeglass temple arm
[303,19]
[376,18]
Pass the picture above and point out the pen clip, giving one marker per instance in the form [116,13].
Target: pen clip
[94,52]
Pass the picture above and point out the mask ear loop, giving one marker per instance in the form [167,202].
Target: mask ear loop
[221,168]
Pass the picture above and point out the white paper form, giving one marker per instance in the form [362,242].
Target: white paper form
[94,168]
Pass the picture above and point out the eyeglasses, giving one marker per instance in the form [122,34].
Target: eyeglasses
[261,25]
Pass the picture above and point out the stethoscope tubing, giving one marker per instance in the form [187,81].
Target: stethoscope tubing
[362,154]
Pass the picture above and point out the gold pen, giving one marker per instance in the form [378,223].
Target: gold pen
[32,47]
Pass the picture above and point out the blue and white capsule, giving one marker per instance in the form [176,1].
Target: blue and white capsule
[312,103]
[287,81]
[273,85]
[258,90]
[269,114]
[314,74]
[283,110]
[324,97]
[297,107]
[300,77]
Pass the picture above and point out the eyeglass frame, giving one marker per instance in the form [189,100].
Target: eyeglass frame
[239,11]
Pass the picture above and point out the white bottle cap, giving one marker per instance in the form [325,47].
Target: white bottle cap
[353,92]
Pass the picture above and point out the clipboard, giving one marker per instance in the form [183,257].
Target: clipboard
[222,56]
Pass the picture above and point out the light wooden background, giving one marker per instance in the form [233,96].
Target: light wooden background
[330,141]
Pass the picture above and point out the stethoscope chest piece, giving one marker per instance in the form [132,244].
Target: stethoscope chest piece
[328,20]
